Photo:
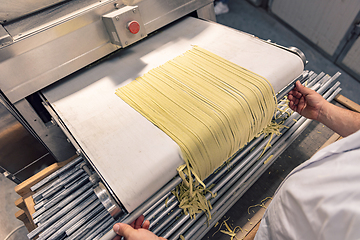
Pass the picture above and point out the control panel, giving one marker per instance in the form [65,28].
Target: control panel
[125,26]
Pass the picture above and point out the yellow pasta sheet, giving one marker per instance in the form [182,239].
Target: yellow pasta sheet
[209,106]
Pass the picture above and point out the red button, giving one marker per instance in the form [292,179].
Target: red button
[134,27]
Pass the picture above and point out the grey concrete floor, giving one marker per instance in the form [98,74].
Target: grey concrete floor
[242,16]
[8,222]
[305,145]
[257,21]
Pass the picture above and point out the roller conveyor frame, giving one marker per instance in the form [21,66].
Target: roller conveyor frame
[232,180]
[70,186]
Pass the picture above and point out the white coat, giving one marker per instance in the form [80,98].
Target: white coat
[320,199]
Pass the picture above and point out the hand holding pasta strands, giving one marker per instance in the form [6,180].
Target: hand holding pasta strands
[310,104]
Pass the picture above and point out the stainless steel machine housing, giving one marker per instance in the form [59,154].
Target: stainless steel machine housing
[42,43]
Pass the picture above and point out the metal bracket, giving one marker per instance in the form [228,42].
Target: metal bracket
[207,12]
[93,177]
[109,203]
[5,37]
[294,50]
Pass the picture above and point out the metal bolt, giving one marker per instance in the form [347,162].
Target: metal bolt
[78,152]
[117,18]
[126,43]
[134,10]
[117,6]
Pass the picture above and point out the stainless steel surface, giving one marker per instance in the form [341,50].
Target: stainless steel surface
[59,214]
[117,25]
[76,175]
[55,174]
[83,220]
[89,226]
[157,14]
[67,205]
[104,227]
[4,37]
[57,183]
[60,40]
[324,86]
[316,79]
[207,12]
[93,177]
[60,201]
[100,231]
[11,10]
[287,88]
[247,170]
[44,64]
[294,50]
[109,203]
[74,211]
[109,132]
[240,187]
[54,16]
[261,169]
[299,53]
[278,148]
[50,135]
[229,183]
[72,219]
[65,39]
[149,203]
[15,164]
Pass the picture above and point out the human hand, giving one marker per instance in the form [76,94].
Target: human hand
[137,230]
[306,101]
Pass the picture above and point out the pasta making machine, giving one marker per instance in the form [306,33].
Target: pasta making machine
[60,64]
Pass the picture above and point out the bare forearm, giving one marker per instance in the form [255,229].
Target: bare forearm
[340,120]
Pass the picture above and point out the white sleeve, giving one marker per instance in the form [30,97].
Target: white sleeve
[320,199]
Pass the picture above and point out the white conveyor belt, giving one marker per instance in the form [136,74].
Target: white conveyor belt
[132,156]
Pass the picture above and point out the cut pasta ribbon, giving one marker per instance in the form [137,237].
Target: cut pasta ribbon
[191,197]
[209,106]
[261,204]
[231,232]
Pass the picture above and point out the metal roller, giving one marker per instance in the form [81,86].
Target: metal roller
[76,208]
[168,221]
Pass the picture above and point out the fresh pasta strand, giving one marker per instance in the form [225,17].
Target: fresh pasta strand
[209,106]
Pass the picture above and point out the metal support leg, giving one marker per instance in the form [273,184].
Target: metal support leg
[207,12]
